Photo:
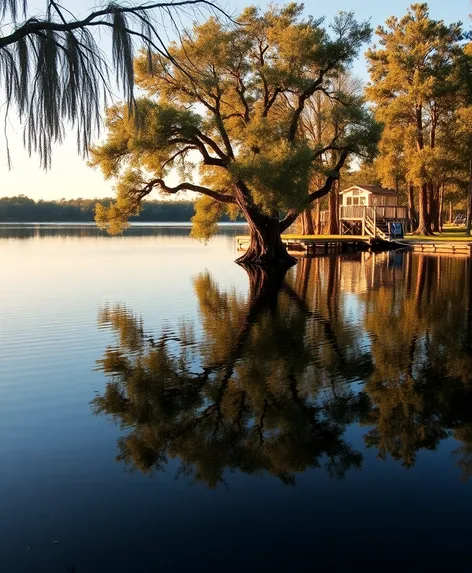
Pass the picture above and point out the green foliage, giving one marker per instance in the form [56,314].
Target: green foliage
[227,111]
[278,177]
[144,146]
[207,214]
[366,174]
[417,85]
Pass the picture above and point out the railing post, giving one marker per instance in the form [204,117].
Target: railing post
[363,220]
[375,222]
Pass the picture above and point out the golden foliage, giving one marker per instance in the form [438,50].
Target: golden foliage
[224,111]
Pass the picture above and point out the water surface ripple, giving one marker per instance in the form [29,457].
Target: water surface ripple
[163,409]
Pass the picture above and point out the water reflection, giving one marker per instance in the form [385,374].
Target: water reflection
[90,230]
[421,332]
[271,381]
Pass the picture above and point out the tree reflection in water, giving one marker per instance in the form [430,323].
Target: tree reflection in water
[268,386]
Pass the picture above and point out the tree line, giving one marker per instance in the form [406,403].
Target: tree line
[22,209]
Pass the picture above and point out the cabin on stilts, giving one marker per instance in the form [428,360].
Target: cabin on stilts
[371,211]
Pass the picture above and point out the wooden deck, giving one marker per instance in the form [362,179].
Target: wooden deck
[310,244]
[440,248]
[365,220]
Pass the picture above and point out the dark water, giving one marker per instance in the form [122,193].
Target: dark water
[164,410]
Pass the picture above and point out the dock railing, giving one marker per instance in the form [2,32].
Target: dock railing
[358,212]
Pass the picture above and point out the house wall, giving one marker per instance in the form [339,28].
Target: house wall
[385,200]
[360,197]
[356,197]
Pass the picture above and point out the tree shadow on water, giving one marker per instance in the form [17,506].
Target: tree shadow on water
[251,394]
[268,384]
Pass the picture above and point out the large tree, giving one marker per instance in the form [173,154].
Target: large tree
[53,70]
[463,133]
[230,104]
[414,86]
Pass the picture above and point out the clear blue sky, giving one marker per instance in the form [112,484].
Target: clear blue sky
[70,177]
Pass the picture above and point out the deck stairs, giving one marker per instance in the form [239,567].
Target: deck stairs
[377,228]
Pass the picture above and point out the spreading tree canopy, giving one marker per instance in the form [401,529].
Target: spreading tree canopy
[226,114]
[53,70]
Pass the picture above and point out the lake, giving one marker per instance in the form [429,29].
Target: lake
[164,410]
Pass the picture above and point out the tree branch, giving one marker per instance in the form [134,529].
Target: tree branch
[308,93]
[209,141]
[329,147]
[177,154]
[224,134]
[269,101]
[32,26]
[187,186]
[301,105]
[200,146]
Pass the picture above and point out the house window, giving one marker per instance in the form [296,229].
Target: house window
[355,200]
[348,200]
[362,200]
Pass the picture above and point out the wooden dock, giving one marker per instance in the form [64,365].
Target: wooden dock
[441,247]
[313,244]
[307,245]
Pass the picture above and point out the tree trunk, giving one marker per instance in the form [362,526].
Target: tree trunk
[266,246]
[441,207]
[451,213]
[424,223]
[333,228]
[412,216]
[433,204]
[318,218]
[307,222]
[469,203]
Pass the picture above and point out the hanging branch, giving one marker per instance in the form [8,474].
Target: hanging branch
[53,70]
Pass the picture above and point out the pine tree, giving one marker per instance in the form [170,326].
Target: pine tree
[413,74]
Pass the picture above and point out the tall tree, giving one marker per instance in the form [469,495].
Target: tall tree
[326,118]
[463,126]
[233,102]
[53,70]
[413,86]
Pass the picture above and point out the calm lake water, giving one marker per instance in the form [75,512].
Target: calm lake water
[164,410]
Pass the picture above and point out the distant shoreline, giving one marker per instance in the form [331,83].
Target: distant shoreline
[132,224]
[23,210]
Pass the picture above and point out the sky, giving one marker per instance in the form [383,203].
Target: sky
[70,177]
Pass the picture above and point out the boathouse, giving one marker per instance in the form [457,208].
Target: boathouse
[370,210]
